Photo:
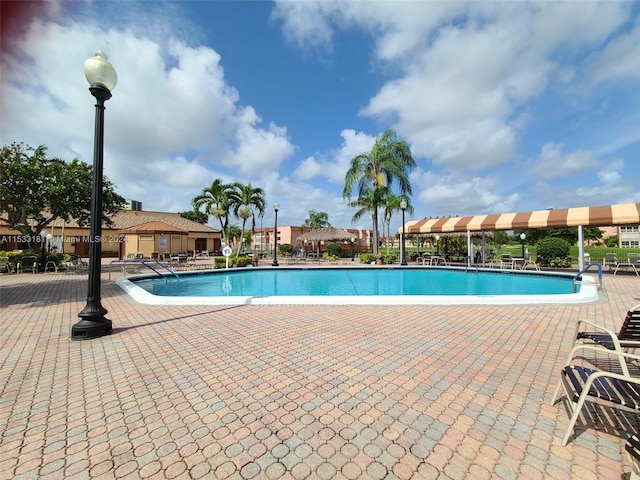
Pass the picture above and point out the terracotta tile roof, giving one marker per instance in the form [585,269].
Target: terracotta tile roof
[130,218]
[153,227]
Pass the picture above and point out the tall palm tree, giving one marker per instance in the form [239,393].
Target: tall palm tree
[245,201]
[366,203]
[214,200]
[392,204]
[389,160]
[317,220]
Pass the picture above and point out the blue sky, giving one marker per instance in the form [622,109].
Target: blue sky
[507,106]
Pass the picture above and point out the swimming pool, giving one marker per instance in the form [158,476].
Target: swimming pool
[361,285]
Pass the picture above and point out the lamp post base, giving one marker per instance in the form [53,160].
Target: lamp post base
[87,329]
[92,323]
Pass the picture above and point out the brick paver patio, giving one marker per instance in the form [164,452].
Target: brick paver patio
[294,392]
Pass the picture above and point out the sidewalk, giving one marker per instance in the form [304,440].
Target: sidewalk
[271,392]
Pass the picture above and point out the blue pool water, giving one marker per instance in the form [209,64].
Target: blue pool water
[361,283]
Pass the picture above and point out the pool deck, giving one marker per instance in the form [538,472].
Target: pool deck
[294,392]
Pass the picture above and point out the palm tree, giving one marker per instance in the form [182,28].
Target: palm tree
[233,234]
[392,204]
[215,200]
[243,200]
[317,220]
[389,160]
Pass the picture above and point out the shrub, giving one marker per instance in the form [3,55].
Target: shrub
[285,249]
[367,258]
[239,261]
[389,258]
[334,250]
[554,252]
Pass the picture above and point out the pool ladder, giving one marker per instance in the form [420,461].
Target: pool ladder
[577,281]
[145,263]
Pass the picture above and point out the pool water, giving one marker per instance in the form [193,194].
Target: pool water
[360,281]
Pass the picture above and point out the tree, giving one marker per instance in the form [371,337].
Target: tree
[244,201]
[392,204]
[389,160]
[569,234]
[366,203]
[195,216]
[214,200]
[35,190]
[317,220]
[233,234]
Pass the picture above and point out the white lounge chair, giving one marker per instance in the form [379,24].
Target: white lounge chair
[582,384]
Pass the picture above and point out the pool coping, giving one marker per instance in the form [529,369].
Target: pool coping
[588,293]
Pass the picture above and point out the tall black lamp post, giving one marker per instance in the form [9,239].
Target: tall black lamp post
[403,207]
[522,237]
[353,241]
[437,245]
[276,207]
[102,79]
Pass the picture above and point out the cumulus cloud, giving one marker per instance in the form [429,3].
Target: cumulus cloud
[334,165]
[554,163]
[173,116]
[460,195]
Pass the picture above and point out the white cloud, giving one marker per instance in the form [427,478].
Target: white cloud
[308,169]
[306,23]
[336,165]
[554,163]
[171,105]
[619,59]
[460,195]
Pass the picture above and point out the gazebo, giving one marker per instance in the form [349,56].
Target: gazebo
[326,234]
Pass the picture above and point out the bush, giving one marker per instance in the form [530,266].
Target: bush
[367,258]
[554,252]
[285,249]
[389,258]
[240,261]
[334,250]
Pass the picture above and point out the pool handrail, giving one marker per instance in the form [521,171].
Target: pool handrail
[598,265]
[145,262]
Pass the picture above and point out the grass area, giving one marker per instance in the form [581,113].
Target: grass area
[597,254]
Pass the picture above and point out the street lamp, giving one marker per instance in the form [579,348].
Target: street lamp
[403,207]
[276,207]
[353,240]
[102,79]
[437,246]
[522,237]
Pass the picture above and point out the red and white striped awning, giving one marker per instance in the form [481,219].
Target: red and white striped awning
[621,214]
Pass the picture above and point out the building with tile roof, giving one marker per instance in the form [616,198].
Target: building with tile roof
[69,237]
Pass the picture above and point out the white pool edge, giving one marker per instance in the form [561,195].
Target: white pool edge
[588,293]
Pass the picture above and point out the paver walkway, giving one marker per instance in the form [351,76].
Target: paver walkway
[294,392]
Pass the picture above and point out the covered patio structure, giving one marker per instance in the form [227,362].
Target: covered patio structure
[619,214]
[326,234]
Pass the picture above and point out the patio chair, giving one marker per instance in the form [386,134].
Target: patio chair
[633,262]
[610,260]
[582,384]
[52,262]
[28,263]
[77,263]
[627,338]
[5,266]
[632,447]
[506,261]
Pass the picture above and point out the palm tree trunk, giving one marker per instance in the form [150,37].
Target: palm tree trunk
[374,217]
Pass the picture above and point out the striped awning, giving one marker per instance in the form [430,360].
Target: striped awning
[621,214]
